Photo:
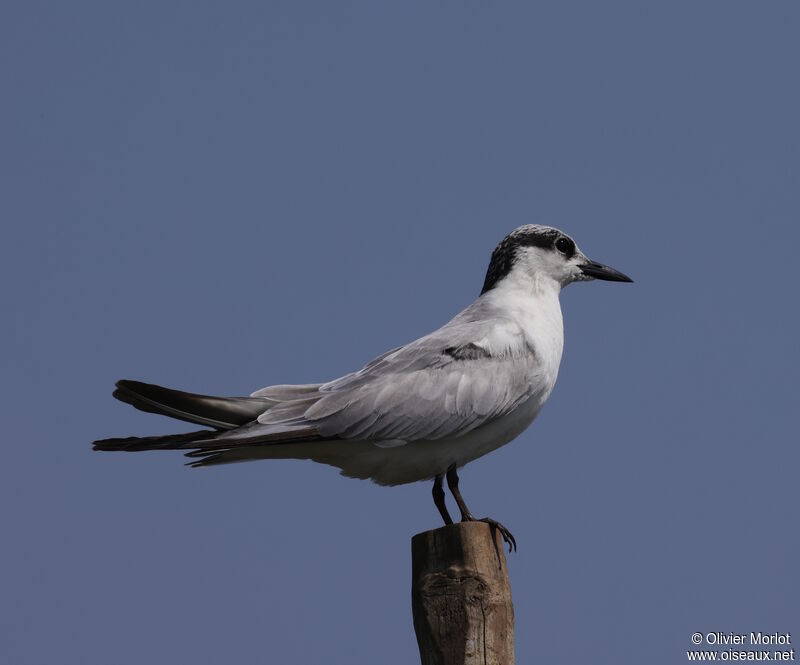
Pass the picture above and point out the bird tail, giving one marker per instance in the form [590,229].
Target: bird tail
[221,413]
[224,414]
[134,444]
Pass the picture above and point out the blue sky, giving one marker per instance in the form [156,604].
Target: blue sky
[221,196]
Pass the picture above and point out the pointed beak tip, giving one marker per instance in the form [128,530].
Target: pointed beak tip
[600,271]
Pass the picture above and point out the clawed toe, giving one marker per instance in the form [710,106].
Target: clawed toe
[508,537]
[466,516]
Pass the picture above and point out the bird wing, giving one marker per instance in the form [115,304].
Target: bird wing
[473,370]
[445,384]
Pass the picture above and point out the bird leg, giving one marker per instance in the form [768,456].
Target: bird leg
[438,499]
[466,516]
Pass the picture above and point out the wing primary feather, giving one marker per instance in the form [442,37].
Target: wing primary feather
[216,412]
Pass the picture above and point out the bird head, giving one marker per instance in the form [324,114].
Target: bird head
[542,253]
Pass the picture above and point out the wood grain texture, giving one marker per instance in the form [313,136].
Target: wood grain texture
[461,597]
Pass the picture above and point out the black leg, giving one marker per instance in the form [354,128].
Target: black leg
[438,499]
[452,483]
[466,516]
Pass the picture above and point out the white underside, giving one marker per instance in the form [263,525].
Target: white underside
[422,460]
[414,461]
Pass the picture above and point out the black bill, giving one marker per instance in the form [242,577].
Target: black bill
[599,271]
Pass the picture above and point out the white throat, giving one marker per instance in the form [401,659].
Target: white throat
[532,301]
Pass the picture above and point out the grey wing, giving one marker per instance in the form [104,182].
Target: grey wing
[443,385]
[446,384]
[466,374]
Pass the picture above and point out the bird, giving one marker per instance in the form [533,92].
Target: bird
[418,412]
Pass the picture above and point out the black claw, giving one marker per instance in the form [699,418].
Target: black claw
[508,537]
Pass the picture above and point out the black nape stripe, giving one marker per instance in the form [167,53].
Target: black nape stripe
[504,254]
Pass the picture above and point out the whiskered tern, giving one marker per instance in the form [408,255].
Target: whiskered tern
[417,412]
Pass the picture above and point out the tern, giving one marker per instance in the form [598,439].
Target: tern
[418,412]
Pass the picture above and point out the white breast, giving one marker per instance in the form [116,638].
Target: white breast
[538,313]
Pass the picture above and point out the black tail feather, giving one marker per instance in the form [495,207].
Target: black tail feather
[168,442]
[208,459]
[207,446]
[217,412]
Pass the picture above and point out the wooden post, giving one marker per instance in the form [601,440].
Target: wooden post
[460,596]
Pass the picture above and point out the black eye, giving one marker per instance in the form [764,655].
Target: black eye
[565,246]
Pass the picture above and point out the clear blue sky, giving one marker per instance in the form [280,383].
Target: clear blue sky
[220,196]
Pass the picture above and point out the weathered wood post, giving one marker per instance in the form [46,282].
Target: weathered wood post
[461,597]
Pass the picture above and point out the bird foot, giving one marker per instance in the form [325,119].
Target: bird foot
[507,535]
